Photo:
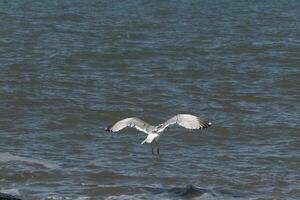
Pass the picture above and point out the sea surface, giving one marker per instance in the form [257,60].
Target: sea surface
[70,68]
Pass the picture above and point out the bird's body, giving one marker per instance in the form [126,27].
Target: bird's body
[151,138]
[153,132]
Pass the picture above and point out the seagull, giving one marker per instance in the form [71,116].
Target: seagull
[185,120]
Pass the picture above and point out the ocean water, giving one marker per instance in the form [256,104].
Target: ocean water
[71,68]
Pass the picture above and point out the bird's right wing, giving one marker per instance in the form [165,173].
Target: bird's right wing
[185,120]
[131,122]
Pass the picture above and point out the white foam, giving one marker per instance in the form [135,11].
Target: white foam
[58,197]
[82,198]
[55,197]
[131,197]
[13,191]
[207,196]
[7,157]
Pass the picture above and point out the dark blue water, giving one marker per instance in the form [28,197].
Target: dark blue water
[70,68]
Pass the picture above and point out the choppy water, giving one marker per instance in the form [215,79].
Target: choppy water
[70,68]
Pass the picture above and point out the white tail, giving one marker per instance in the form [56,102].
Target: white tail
[144,141]
[150,138]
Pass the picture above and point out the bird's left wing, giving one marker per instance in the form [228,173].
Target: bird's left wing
[130,122]
[185,120]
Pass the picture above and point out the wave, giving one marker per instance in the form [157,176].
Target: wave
[7,157]
[190,191]
[9,194]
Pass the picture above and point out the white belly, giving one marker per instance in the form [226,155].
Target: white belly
[151,137]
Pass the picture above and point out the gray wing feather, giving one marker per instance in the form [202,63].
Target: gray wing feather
[185,120]
[131,122]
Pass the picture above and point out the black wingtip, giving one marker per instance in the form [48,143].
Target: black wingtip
[208,124]
[108,129]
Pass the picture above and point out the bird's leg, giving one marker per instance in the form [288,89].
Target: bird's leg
[152,148]
[157,147]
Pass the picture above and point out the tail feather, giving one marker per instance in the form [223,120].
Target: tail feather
[144,141]
[150,138]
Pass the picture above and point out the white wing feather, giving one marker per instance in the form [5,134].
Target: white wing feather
[185,120]
[131,122]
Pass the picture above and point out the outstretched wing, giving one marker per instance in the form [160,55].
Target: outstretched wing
[130,122]
[185,120]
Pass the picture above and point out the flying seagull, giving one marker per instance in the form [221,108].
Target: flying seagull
[185,120]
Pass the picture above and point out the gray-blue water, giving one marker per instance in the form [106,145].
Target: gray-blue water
[70,68]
